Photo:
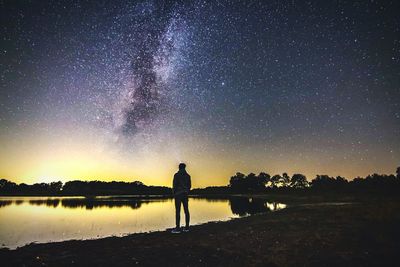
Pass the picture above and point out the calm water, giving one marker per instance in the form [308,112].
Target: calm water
[43,219]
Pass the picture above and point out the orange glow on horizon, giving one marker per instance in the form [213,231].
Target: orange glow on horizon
[32,159]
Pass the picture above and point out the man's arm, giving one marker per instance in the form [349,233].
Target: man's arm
[189,182]
[174,184]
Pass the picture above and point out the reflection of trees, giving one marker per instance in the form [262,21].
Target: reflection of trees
[51,202]
[244,206]
[274,206]
[4,203]
[90,203]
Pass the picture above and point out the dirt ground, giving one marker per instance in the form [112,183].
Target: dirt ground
[359,233]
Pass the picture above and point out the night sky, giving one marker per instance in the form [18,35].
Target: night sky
[125,90]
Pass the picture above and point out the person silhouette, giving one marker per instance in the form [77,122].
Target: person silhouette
[180,188]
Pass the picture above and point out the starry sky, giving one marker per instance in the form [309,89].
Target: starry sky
[125,90]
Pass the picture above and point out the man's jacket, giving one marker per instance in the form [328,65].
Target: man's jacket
[182,183]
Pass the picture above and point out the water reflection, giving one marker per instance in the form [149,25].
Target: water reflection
[85,202]
[42,219]
[48,202]
[96,203]
[4,203]
[241,206]
[90,203]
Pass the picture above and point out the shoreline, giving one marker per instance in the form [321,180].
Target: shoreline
[361,234]
[169,229]
[164,228]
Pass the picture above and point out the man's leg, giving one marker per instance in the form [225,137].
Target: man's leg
[178,201]
[185,202]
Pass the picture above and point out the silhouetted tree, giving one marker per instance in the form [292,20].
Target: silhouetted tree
[285,179]
[211,190]
[7,186]
[264,178]
[381,182]
[341,181]
[237,182]
[3,183]
[280,181]
[326,183]
[250,183]
[111,188]
[299,181]
[323,182]
[275,180]
[398,172]
[55,187]
[255,183]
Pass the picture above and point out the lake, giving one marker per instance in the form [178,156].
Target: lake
[24,220]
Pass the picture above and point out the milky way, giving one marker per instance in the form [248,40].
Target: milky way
[136,56]
[146,86]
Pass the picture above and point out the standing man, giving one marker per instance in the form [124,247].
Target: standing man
[181,187]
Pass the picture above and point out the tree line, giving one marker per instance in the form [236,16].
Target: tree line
[265,183]
[82,188]
[238,183]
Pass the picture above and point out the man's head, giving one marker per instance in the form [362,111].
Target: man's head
[182,166]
